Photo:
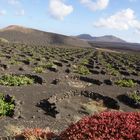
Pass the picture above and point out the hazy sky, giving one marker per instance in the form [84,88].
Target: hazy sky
[72,17]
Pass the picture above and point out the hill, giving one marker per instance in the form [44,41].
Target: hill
[30,36]
[106,38]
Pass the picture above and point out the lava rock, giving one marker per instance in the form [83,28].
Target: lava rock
[53,68]
[64,61]
[134,73]
[49,108]
[90,66]
[21,69]
[108,82]
[67,71]
[111,103]
[68,65]
[26,62]
[97,67]
[128,101]
[5,66]
[94,71]
[90,80]
[58,64]
[103,72]
[125,73]
[56,81]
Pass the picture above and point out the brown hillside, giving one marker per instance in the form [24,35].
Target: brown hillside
[30,36]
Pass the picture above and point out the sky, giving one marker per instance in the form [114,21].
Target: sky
[73,17]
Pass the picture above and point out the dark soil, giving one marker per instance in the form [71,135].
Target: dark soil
[55,99]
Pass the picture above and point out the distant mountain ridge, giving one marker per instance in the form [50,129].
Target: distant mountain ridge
[106,38]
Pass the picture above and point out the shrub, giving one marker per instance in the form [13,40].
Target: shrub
[84,62]
[114,72]
[50,65]
[15,80]
[38,70]
[109,66]
[83,70]
[105,126]
[6,105]
[29,59]
[126,83]
[13,62]
[135,96]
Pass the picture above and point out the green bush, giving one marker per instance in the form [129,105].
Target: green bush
[135,96]
[6,106]
[83,70]
[111,70]
[13,62]
[50,65]
[15,80]
[38,70]
[126,83]
[84,62]
[109,66]
[114,72]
